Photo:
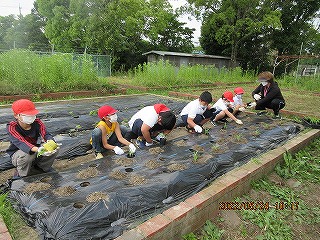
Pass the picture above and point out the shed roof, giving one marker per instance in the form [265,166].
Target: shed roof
[164,53]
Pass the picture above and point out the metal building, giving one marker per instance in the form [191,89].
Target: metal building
[178,59]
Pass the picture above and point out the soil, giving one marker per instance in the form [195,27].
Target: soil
[118,175]
[152,164]
[96,196]
[36,186]
[88,173]
[137,180]
[64,191]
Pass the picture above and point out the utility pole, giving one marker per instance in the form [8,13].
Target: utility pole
[298,62]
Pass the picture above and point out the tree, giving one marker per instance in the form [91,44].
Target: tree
[6,23]
[233,22]
[122,28]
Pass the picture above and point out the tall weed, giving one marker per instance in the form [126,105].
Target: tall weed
[163,73]
[25,72]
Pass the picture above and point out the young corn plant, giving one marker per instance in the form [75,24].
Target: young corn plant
[195,156]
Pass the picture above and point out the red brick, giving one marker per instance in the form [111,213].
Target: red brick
[3,227]
[5,236]
[177,212]
[153,225]
[133,234]
[198,199]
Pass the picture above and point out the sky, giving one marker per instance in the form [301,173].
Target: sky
[8,7]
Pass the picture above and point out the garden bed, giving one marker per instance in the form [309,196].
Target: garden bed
[102,198]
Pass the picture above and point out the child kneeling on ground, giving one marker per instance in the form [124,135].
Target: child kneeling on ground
[32,148]
[196,113]
[108,133]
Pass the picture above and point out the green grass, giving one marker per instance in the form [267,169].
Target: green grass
[25,72]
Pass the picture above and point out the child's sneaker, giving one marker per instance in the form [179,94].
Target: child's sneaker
[98,155]
[213,123]
[277,117]
[262,113]
[15,175]
[140,143]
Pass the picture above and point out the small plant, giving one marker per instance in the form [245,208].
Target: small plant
[195,156]
[224,126]
[93,113]
[256,132]
[215,148]
[211,232]
[189,236]
[206,131]
[238,137]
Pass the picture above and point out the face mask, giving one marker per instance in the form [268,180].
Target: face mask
[113,118]
[28,119]
[239,96]
[264,83]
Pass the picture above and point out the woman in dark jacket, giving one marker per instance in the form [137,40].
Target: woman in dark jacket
[268,94]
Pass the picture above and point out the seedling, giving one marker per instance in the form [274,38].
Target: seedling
[256,132]
[195,156]
[238,137]
[224,126]
[206,131]
[93,113]
[131,154]
[215,148]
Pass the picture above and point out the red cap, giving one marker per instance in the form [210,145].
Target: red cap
[24,106]
[228,95]
[159,107]
[239,90]
[105,111]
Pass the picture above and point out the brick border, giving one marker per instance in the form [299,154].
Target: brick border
[191,214]
[4,233]
[59,95]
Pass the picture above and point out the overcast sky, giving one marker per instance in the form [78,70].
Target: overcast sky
[8,7]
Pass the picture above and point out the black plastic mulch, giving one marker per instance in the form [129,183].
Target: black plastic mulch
[134,189]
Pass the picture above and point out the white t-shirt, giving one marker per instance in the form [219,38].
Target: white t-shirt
[220,105]
[237,100]
[192,109]
[148,115]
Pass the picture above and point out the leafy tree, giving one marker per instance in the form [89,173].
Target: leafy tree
[6,23]
[123,28]
[231,23]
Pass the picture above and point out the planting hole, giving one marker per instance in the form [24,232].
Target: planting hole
[84,184]
[128,169]
[78,205]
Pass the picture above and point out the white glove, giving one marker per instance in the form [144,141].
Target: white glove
[48,153]
[198,129]
[148,144]
[257,97]
[242,109]
[238,121]
[118,150]
[132,148]
[159,136]
[253,104]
